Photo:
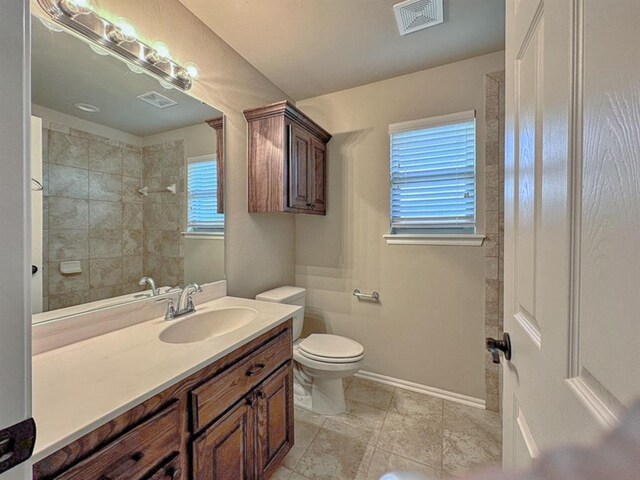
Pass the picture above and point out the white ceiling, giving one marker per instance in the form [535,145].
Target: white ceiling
[65,71]
[313,47]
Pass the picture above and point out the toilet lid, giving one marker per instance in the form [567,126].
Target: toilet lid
[328,347]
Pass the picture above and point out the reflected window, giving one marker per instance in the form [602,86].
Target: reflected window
[202,185]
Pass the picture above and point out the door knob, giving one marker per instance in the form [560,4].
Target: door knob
[496,346]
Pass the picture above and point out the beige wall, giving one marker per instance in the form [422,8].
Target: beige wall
[259,253]
[429,325]
[197,249]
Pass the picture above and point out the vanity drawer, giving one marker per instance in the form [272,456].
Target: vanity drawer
[212,398]
[133,455]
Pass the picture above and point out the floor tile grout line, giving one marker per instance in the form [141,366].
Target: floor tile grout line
[386,415]
[375,446]
[308,446]
[411,459]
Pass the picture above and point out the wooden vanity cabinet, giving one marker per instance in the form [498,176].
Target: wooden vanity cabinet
[227,448]
[287,161]
[274,409]
[251,440]
[231,420]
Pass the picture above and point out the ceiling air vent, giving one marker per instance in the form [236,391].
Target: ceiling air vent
[414,15]
[157,100]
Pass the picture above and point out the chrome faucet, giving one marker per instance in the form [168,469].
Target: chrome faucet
[152,285]
[185,302]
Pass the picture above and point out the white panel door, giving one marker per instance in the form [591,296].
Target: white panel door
[15,253]
[572,221]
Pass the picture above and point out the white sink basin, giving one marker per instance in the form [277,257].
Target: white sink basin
[205,325]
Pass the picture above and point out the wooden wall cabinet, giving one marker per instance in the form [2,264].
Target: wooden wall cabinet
[287,161]
[231,420]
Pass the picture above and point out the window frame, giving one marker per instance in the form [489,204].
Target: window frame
[195,232]
[441,236]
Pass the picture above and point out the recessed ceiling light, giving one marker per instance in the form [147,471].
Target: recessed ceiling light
[87,107]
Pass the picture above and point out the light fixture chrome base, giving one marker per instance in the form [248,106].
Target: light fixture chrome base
[98,30]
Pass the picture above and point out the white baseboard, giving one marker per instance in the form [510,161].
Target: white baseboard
[424,389]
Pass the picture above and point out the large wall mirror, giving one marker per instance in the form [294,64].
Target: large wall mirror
[127,180]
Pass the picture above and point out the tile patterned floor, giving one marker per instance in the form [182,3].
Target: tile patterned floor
[385,429]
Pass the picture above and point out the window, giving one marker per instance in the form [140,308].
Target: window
[433,180]
[202,185]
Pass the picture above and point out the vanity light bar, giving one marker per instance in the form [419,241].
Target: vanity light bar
[78,16]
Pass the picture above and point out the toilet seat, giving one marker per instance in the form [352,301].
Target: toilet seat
[328,348]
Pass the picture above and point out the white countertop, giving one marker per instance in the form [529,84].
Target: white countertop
[83,385]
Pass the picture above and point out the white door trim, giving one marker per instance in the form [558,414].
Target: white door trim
[15,241]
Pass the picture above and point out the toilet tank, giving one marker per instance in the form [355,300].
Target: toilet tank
[290,296]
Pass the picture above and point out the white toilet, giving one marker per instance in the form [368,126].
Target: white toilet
[321,361]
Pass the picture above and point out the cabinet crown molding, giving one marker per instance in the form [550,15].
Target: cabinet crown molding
[289,110]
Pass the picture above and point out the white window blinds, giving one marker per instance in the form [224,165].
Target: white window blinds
[433,175]
[202,184]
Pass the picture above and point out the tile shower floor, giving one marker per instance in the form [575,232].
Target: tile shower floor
[386,429]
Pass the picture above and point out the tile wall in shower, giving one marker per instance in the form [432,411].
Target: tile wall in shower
[92,213]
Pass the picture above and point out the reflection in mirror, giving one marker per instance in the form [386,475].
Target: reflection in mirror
[132,198]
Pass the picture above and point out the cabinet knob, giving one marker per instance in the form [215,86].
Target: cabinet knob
[255,370]
[261,395]
[173,473]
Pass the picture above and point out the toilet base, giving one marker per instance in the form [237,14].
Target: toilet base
[318,394]
[326,397]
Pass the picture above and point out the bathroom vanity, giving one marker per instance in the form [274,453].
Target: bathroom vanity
[219,408]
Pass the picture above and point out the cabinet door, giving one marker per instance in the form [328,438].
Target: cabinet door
[299,154]
[226,449]
[275,420]
[317,168]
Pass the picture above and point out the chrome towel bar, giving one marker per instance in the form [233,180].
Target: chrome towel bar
[368,296]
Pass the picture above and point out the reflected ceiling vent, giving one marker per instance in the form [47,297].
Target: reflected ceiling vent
[157,100]
[414,15]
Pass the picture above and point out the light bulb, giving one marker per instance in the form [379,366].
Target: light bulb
[86,4]
[162,49]
[193,70]
[127,29]
[75,7]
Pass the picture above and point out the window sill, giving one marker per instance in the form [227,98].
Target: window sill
[458,239]
[203,235]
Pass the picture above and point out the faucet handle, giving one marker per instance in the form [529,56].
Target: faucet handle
[171,309]
[190,290]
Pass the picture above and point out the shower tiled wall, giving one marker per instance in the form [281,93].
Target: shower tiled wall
[165,214]
[494,228]
[93,213]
